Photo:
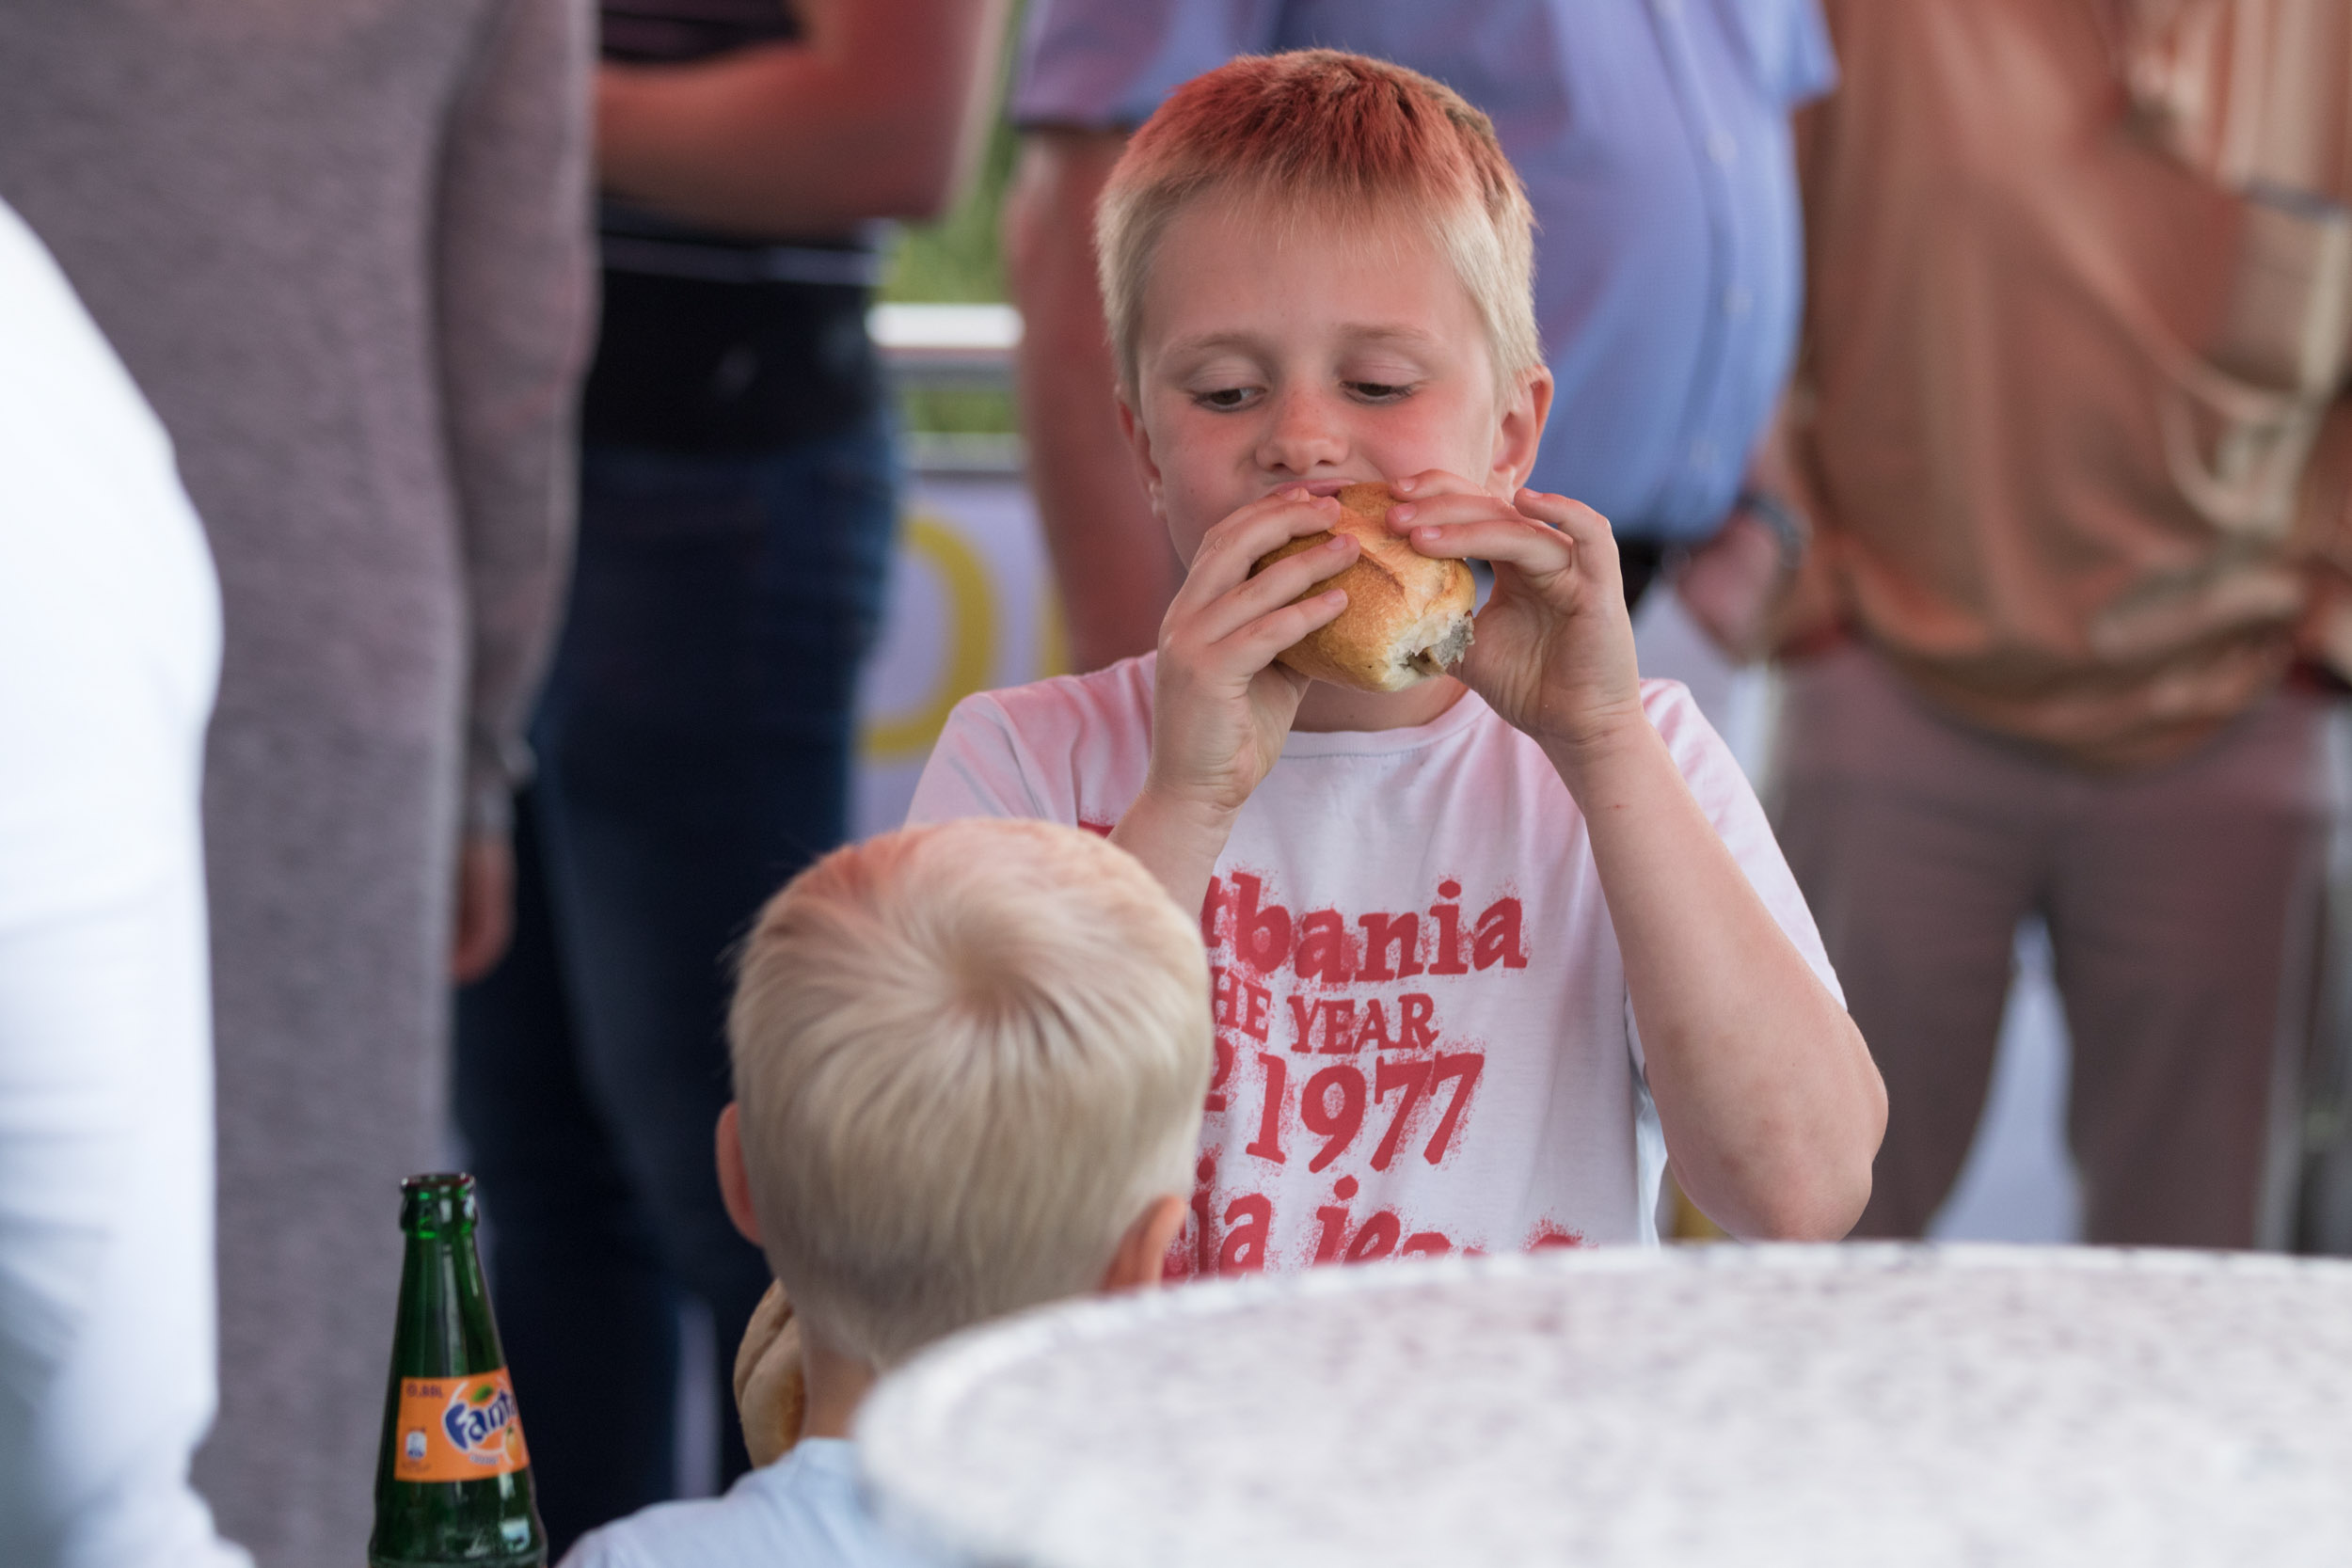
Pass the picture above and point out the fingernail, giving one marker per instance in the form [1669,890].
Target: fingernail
[1403,513]
[1403,486]
[1339,542]
[1428,536]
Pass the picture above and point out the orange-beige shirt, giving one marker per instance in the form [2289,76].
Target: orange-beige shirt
[2081,285]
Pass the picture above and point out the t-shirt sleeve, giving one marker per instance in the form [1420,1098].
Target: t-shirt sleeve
[1725,795]
[1105,64]
[979,768]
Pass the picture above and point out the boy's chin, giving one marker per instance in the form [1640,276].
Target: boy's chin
[1329,706]
[1417,691]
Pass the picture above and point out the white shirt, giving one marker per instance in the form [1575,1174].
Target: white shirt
[802,1512]
[1424,1042]
[109,653]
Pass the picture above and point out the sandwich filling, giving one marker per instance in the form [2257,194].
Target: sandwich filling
[1453,640]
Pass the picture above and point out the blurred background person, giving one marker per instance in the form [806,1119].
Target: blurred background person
[109,654]
[2081,284]
[1654,142]
[341,247]
[695,741]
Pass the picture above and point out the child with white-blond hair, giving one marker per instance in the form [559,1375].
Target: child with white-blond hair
[969,1062]
[1491,949]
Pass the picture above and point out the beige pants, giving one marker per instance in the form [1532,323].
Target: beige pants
[2183,903]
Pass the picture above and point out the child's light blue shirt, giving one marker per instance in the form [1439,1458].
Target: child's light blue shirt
[802,1512]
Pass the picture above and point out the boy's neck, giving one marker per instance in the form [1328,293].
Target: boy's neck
[1328,707]
[837,1385]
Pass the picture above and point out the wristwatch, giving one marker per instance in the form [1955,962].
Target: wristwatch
[1789,529]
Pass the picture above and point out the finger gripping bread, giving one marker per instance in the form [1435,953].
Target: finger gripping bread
[1407,615]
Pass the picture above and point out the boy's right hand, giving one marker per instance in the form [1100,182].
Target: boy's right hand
[1221,706]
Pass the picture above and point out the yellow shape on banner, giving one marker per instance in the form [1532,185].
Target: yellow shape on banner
[970,641]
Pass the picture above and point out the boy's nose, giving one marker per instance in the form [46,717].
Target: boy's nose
[1302,433]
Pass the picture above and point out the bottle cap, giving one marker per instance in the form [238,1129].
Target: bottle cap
[436,1203]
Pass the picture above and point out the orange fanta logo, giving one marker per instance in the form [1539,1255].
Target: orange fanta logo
[478,1418]
[458,1429]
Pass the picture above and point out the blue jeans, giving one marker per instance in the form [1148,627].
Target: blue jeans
[695,743]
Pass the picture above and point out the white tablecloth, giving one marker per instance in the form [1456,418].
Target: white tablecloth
[1816,1406]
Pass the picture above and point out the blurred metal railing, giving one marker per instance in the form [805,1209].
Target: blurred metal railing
[952,348]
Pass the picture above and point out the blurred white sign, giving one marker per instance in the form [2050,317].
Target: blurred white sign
[971,607]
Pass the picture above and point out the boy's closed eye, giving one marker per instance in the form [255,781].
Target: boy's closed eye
[1233,399]
[1228,400]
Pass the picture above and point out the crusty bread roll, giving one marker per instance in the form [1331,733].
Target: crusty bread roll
[770,1385]
[1407,615]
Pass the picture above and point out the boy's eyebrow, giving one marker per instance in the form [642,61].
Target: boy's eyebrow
[1355,334]
[1210,342]
[1387,331]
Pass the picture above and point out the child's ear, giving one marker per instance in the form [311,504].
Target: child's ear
[1143,1249]
[1140,443]
[735,1178]
[1521,433]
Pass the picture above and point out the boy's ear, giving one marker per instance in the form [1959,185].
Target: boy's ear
[1143,1249]
[1520,434]
[734,1178]
[1140,442]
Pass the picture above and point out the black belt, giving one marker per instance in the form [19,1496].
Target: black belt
[718,264]
[694,364]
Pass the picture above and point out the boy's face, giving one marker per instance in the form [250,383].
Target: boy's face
[1313,352]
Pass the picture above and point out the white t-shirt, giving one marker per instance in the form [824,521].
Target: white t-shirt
[109,654]
[802,1512]
[1424,1043]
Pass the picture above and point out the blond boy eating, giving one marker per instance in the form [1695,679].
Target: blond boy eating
[1489,951]
[968,1072]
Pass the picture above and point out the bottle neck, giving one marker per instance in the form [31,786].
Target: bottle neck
[445,1327]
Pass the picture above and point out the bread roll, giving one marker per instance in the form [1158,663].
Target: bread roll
[771,1383]
[1407,615]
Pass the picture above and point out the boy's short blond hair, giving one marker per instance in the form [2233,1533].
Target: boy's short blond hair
[968,1057]
[1325,136]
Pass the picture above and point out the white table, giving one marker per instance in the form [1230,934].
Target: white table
[1711,1405]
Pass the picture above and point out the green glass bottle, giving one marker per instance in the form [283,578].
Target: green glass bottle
[452,1478]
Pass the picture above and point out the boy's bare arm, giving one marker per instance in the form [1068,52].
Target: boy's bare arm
[1767,1094]
[1111,558]
[1220,706]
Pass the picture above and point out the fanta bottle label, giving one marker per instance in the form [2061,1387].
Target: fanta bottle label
[458,1429]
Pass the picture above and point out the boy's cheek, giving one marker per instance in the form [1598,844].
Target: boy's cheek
[1187,545]
[1189,517]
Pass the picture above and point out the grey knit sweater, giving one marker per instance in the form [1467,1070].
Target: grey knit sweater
[342,246]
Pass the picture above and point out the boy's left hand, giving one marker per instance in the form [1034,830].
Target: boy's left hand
[1554,650]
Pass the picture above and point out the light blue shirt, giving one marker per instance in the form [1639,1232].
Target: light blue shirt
[802,1512]
[1653,138]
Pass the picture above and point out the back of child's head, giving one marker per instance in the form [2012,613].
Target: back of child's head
[967,1058]
[1318,137]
